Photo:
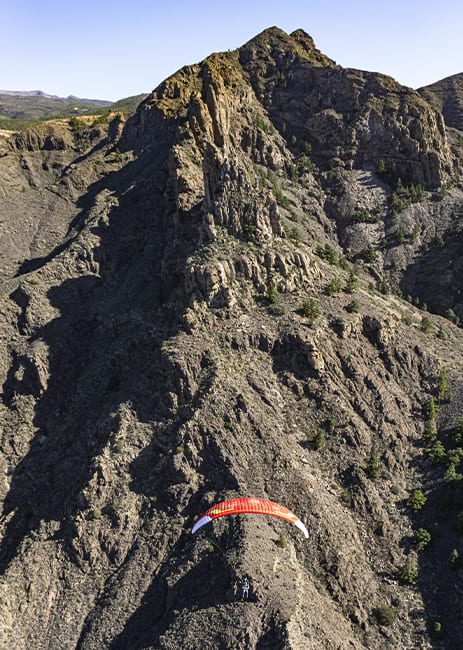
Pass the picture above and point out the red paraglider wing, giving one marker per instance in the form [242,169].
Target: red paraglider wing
[252,506]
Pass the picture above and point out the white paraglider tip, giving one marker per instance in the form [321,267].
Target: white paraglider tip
[301,526]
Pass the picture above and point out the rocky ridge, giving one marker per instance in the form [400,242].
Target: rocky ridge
[161,353]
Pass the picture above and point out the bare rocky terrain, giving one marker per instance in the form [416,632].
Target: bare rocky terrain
[251,287]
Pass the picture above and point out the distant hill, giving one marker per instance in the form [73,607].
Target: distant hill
[21,109]
[447,96]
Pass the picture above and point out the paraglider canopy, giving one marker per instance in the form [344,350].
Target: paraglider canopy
[252,506]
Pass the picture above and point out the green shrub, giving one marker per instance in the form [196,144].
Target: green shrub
[421,539]
[368,254]
[408,572]
[454,559]
[319,439]
[335,286]
[327,253]
[272,294]
[444,392]
[281,198]
[451,474]
[455,456]
[373,468]
[74,123]
[437,452]
[96,514]
[401,233]
[364,216]
[426,325]
[429,433]
[119,445]
[451,316]
[351,283]
[436,631]
[353,307]
[276,310]
[385,615]
[115,503]
[441,334]
[310,310]
[383,286]
[381,168]
[416,500]
[344,264]
[282,541]
[458,432]
[430,408]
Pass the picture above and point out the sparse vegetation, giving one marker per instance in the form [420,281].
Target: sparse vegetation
[310,310]
[335,286]
[426,325]
[119,445]
[373,468]
[452,317]
[408,572]
[282,541]
[421,539]
[416,500]
[351,282]
[369,254]
[327,253]
[430,408]
[96,514]
[353,307]
[385,615]
[437,452]
[364,216]
[444,391]
[319,440]
[272,293]
[429,433]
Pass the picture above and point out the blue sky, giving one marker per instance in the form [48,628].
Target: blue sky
[112,49]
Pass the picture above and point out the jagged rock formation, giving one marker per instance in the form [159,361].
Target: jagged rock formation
[161,352]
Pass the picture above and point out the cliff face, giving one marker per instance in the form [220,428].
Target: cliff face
[197,304]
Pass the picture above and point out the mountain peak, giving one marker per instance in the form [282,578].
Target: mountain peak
[275,35]
[303,39]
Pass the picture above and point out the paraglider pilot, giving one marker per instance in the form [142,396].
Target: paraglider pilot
[245,587]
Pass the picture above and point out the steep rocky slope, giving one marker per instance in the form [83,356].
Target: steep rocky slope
[197,304]
[447,96]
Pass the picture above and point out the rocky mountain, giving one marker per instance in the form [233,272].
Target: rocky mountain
[447,96]
[251,287]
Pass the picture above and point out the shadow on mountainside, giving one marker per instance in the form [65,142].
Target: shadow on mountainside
[206,585]
[103,348]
